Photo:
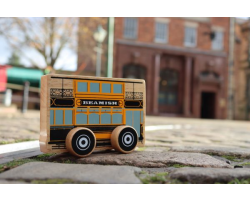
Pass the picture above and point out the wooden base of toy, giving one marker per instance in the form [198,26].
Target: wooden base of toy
[80,142]
[124,139]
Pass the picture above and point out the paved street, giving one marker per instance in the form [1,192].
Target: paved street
[198,132]
[177,150]
[19,127]
[161,131]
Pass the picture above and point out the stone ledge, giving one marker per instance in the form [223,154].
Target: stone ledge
[75,172]
[219,151]
[146,159]
[209,175]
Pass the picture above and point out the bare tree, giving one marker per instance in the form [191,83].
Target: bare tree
[48,36]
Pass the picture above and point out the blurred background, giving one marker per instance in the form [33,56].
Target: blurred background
[194,67]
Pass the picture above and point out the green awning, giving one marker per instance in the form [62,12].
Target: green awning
[18,75]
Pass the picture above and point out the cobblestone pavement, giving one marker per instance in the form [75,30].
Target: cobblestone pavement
[19,127]
[197,132]
[161,131]
[177,150]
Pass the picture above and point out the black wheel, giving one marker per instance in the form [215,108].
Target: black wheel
[80,142]
[124,139]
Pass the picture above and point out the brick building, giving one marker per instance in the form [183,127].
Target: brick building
[86,45]
[183,60]
[242,70]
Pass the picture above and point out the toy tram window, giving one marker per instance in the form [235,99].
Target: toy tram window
[117,88]
[141,116]
[68,117]
[94,87]
[81,118]
[82,87]
[105,118]
[116,118]
[51,117]
[106,88]
[59,117]
[94,118]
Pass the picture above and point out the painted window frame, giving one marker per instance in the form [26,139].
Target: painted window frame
[187,31]
[63,109]
[217,43]
[100,111]
[130,28]
[100,88]
[166,33]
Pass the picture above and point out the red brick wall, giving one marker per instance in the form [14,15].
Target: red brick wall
[176,32]
[123,54]
[146,30]
[240,71]
[86,44]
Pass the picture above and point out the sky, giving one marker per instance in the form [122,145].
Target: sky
[66,61]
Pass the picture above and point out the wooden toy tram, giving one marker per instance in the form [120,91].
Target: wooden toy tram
[80,114]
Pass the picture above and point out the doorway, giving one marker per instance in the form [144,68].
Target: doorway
[208,105]
[168,91]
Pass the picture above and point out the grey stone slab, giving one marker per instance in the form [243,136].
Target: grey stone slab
[76,172]
[5,160]
[148,159]
[7,157]
[209,175]
[12,182]
[158,170]
[220,151]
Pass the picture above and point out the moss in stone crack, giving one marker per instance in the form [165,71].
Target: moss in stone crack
[15,141]
[228,157]
[44,156]
[233,158]
[210,154]
[141,149]
[216,141]
[180,165]
[56,181]
[16,163]
[245,164]
[242,181]
[191,141]
[68,161]
[159,178]
[13,164]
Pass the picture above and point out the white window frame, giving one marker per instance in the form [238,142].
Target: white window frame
[190,26]
[130,28]
[165,32]
[217,43]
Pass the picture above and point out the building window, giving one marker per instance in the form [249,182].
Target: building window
[217,42]
[161,31]
[168,87]
[130,28]
[134,71]
[190,37]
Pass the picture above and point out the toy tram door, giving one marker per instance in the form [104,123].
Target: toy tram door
[133,119]
[134,107]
